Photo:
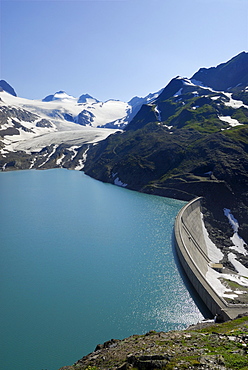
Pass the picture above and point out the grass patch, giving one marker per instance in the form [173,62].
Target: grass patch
[234,285]
[226,327]
[238,133]
[236,361]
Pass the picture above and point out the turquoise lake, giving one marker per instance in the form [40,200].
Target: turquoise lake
[83,262]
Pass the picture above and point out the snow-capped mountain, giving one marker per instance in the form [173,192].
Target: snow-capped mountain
[191,141]
[43,126]
[188,140]
[86,98]
[85,110]
[31,125]
[188,132]
[223,88]
[182,101]
[4,86]
[59,119]
[228,76]
[136,102]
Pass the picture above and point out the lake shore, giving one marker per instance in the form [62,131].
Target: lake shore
[204,346]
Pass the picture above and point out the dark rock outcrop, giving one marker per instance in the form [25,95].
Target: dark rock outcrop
[6,87]
[226,76]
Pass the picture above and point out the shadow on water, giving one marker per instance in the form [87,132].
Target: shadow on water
[190,287]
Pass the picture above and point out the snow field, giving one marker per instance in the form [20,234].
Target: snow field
[215,255]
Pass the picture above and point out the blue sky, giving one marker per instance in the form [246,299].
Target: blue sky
[115,48]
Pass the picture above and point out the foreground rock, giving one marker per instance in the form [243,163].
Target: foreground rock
[204,346]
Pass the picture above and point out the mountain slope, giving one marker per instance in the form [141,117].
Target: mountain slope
[35,134]
[204,346]
[226,76]
[190,141]
[186,140]
[6,87]
[52,132]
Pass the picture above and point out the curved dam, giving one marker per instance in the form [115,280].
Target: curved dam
[193,254]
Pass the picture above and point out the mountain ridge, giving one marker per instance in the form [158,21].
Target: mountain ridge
[181,133]
[190,141]
[85,110]
[225,75]
[7,87]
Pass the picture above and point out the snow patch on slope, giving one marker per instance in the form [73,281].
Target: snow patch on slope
[213,277]
[178,93]
[234,103]
[117,180]
[238,242]
[214,253]
[82,161]
[242,270]
[158,113]
[231,121]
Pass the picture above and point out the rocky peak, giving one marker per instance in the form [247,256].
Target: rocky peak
[6,87]
[226,76]
[85,98]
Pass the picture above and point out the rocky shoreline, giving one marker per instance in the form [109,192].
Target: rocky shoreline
[203,346]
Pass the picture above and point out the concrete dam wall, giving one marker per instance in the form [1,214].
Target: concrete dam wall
[193,255]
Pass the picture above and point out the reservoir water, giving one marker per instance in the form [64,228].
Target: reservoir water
[83,262]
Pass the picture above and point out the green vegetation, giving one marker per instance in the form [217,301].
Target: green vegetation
[241,114]
[238,134]
[189,153]
[202,118]
[241,95]
[205,346]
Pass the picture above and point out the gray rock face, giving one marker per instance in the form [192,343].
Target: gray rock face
[43,123]
[85,118]
[226,76]
[83,98]
[6,87]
